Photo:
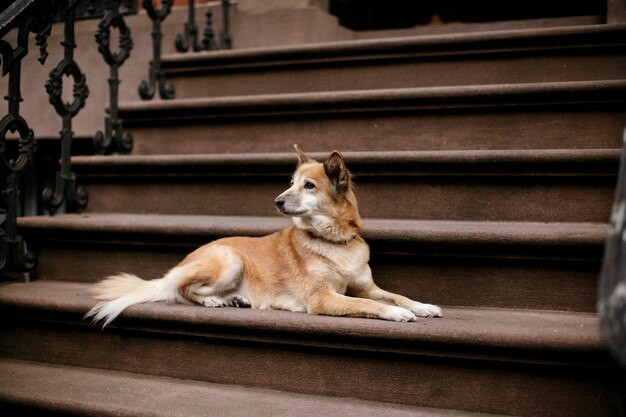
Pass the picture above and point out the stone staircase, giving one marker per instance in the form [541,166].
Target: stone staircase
[485,165]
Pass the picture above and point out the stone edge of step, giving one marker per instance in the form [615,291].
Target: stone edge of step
[414,46]
[506,96]
[526,336]
[468,162]
[44,388]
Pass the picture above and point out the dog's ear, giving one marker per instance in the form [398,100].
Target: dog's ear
[302,157]
[337,172]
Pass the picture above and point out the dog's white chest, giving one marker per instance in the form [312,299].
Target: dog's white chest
[339,264]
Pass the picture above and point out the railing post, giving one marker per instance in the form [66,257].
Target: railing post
[189,37]
[113,138]
[65,187]
[616,11]
[612,283]
[147,89]
[15,258]
[208,36]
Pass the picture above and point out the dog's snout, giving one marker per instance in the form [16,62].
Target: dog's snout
[279,201]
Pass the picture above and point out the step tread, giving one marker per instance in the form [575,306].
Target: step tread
[474,328]
[400,98]
[480,161]
[58,388]
[461,43]
[441,231]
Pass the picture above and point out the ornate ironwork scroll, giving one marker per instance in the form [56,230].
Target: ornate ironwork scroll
[15,258]
[65,187]
[147,89]
[612,288]
[113,138]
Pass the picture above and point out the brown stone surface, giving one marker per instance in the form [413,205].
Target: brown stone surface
[34,389]
[506,235]
[520,116]
[531,55]
[494,328]
[515,359]
[511,185]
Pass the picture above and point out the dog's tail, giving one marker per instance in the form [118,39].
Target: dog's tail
[121,291]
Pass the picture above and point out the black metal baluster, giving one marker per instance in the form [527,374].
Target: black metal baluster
[189,37]
[113,138]
[65,187]
[226,41]
[208,36]
[147,89]
[15,258]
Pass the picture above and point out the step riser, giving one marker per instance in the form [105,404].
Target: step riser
[447,280]
[34,389]
[567,54]
[395,72]
[596,127]
[566,199]
[525,390]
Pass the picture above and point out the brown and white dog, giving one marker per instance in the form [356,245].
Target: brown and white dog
[319,265]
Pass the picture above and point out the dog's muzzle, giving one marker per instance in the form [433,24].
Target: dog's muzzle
[285,206]
[279,202]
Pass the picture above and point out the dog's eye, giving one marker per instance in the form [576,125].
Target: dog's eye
[309,185]
[291,182]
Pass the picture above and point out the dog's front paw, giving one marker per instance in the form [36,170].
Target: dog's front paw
[394,313]
[427,310]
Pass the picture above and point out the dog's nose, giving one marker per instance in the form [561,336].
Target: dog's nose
[280,202]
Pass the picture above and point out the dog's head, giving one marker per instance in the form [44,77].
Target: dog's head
[320,190]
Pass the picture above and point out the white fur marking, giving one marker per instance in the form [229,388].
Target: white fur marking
[127,290]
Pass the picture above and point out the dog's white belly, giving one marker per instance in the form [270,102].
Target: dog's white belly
[286,302]
[268,302]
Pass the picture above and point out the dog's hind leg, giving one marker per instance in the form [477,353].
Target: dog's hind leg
[213,278]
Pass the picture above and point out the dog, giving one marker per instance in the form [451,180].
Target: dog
[318,265]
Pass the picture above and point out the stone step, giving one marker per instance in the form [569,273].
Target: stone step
[516,56]
[39,389]
[470,263]
[519,362]
[514,116]
[569,185]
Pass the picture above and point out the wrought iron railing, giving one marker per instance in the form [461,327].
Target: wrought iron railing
[37,16]
[15,258]
[66,190]
[147,89]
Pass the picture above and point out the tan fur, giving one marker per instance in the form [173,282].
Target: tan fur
[319,265]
